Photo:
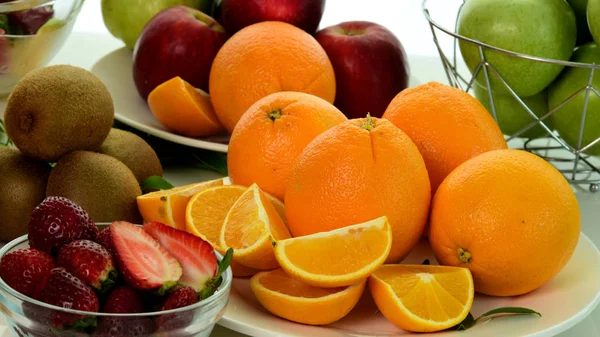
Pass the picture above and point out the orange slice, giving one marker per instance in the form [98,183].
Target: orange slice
[337,258]
[252,227]
[292,299]
[184,109]
[168,206]
[422,298]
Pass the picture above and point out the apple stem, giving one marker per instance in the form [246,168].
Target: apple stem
[369,124]
[275,114]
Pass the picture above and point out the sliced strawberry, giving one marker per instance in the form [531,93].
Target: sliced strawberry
[26,271]
[196,256]
[105,240]
[124,300]
[65,290]
[90,262]
[142,261]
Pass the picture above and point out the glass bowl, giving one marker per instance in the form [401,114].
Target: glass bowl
[33,31]
[28,317]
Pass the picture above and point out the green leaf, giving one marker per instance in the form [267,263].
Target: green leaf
[469,322]
[426,262]
[214,161]
[225,262]
[215,282]
[4,25]
[4,140]
[84,323]
[109,283]
[155,183]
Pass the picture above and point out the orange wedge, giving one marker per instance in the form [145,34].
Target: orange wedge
[422,298]
[292,299]
[168,206]
[184,109]
[205,214]
[252,227]
[337,258]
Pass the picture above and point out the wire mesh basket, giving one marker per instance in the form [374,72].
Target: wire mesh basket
[577,166]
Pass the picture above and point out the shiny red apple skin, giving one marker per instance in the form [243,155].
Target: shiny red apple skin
[304,14]
[370,66]
[178,41]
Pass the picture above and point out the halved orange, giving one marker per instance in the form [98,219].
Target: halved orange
[423,298]
[205,214]
[339,257]
[252,227]
[184,109]
[292,299]
[168,206]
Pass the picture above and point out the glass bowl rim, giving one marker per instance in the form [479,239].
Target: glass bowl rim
[21,5]
[222,292]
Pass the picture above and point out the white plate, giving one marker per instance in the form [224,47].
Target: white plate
[563,302]
[114,69]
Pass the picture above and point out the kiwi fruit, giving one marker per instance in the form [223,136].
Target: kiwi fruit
[22,188]
[134,152]
[101,184]
[58,109]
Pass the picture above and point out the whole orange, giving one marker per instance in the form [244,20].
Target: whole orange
[271,135]
[355,172]
[510,217]
[265,58]
[448,125]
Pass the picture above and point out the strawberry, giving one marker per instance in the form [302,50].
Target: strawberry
[124,300]
[196,256]
[124,327]
[65,290]
[143,262]
[105,240]
[58,221]
[90,262]
[179,298]
[26,271]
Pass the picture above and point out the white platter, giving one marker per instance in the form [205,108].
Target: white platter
[115,70]
[563,302]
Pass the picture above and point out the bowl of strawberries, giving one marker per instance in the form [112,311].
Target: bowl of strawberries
[71,277]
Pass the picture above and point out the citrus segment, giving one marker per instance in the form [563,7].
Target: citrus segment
[184,109]
[337,258]
[252,227]
[423,298]
[292,299]
[169,206]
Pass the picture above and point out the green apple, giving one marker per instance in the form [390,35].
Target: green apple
[543,28]
[593,18]
[125,19]
[567,119]
[512,116]
[580,9]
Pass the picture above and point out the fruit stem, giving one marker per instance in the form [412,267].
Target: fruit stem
[463,255]
[275,114]
[368,124]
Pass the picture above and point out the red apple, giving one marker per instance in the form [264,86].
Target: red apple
[178,41]
[304,14]
[370,66]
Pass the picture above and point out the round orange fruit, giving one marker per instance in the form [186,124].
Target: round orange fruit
[271,135]
[448,125]
[265,58]
[510,217]
[357,171]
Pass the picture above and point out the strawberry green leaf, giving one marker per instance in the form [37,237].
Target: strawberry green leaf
[215,282]
[225,262]
[156,183]
[4,140]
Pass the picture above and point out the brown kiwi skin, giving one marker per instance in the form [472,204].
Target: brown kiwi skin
[134,152]
[101,184]
[58,109]
[22,188]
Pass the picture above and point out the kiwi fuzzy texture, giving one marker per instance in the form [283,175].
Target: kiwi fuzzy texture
[134,152]
[58,109]
[22,188]
[105,187]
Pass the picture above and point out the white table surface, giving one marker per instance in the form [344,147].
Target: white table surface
[90,41]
